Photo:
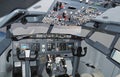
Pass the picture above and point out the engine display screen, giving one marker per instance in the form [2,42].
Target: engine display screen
[116,55]
[69,46]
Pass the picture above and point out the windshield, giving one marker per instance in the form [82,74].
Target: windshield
[2,34]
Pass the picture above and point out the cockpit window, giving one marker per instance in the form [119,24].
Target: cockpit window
[2,35]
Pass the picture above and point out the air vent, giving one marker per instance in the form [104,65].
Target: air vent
[37,7]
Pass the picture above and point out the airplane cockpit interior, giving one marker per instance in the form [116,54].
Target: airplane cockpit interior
[60,38]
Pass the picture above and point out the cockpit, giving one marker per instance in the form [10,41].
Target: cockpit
[61,38]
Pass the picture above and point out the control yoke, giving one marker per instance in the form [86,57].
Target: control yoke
[80,52]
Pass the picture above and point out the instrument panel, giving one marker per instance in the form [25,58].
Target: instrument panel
[42,44]
[42,48]
[46,44]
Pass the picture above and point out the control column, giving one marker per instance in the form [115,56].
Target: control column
[76,58]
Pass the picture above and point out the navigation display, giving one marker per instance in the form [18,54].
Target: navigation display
[24,46]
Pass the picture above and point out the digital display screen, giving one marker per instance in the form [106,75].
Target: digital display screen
[24,46]
[115,55]
[69,46]
[62,46]
[51,47]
